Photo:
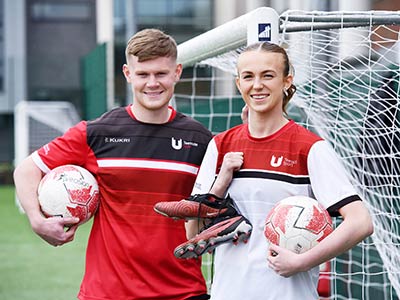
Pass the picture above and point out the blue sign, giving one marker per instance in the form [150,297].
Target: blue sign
[264,32]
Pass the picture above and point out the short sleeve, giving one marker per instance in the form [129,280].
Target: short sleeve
[70,148]
[329,181]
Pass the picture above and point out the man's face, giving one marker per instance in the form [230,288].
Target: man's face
[152,81]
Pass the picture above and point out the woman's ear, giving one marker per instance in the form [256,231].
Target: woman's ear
[288,81]
[238,84]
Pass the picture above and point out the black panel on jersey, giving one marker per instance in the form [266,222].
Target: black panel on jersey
[117,135]
[272,176]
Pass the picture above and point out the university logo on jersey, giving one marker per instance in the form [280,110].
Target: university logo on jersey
[276,162]
[178,144]
[264,32]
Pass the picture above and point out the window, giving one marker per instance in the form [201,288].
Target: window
[180,16]
[60,11]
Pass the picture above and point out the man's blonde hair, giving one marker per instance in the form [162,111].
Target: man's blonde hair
[149,44]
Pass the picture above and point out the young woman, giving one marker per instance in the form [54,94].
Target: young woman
[262,162]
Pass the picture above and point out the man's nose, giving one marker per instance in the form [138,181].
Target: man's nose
[152,80]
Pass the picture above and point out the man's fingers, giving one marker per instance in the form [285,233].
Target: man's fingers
[70,221]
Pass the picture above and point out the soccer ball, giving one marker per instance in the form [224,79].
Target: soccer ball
[69,191]
[297,223]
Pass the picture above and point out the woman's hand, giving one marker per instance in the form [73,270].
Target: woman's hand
[283,261]
[232,162]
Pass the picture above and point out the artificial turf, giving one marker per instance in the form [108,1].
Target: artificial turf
[29,267]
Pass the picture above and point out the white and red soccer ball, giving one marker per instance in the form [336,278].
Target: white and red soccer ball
[297,223]
[69,191]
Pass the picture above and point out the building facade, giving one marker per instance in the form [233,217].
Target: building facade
[43,42]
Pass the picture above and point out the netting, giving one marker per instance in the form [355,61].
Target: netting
[38,122]
[347,75]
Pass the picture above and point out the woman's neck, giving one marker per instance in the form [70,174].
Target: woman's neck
[262,125]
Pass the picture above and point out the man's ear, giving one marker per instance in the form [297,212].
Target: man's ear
[178,72]
[126,72]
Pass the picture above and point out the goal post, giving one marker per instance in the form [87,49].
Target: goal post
[230,36]
[38,122]
[347,76]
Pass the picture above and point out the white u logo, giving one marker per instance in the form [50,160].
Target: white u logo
[176,144]
[276,163]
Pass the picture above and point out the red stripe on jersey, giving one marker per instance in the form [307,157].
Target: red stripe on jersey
[285,151]
[146,181]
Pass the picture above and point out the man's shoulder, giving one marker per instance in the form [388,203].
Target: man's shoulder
[112,113]
[190,123]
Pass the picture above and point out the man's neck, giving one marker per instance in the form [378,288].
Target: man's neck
[160,116]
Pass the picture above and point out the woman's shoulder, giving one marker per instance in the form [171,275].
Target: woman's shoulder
[231,132]
[303,134]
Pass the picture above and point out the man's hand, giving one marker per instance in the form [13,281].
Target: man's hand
[56,230]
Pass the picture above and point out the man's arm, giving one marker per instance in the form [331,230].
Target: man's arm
[27,177]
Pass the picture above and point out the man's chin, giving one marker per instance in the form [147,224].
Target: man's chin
[156,104]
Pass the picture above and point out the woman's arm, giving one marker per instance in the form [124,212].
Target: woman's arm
[232,162]
[356,226]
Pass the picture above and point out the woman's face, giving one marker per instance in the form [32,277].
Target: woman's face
[261,81]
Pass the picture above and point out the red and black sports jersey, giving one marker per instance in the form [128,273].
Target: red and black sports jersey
[130,248]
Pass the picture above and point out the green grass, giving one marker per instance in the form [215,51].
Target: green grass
[29,267]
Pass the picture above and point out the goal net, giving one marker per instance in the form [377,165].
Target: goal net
[38,122]
[347,77]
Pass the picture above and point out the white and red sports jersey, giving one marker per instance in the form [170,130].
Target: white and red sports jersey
[292,161]
[130,248]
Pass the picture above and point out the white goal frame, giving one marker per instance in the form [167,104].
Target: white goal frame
[242,30]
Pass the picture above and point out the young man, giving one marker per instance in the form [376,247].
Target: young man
[140,154]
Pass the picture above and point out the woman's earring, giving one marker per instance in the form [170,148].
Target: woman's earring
[285,92]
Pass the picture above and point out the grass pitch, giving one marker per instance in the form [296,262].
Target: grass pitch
[30,268]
